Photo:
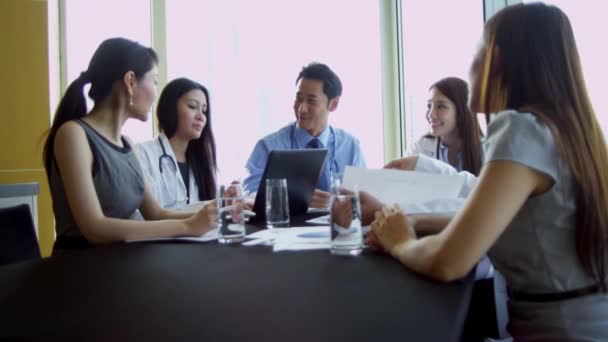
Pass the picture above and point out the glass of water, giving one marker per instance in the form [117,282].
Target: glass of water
[277,203]
[345,222]
[231,219]
[336,179]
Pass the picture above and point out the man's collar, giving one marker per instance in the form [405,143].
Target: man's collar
[303,137]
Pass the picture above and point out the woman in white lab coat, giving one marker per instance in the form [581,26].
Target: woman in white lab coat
[455,136]
[180,163]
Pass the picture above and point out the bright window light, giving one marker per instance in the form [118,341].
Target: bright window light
[88,23]
[249,53]
[440,39]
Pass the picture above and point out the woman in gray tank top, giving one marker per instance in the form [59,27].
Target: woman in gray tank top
[96,181]
[539,208]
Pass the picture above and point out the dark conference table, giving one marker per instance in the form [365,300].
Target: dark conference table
[195,291]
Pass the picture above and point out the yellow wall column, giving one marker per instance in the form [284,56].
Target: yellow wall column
[24,102]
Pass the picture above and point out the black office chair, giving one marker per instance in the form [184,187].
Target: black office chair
[17,235]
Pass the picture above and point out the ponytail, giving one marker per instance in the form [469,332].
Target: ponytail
[73,106]
[112,59]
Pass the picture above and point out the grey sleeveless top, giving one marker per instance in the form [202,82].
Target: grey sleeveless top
[117,177]
[537,252]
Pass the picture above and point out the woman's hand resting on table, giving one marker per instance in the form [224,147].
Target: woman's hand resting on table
[203,220]
[389,229]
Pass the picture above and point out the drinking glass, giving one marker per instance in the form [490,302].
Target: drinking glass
[277,203]
[231,220]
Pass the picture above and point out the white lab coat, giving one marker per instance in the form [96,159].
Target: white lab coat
[426,150]
[168,187]
[432,165]
[425,145]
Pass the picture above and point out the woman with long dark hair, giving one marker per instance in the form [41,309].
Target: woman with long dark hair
[539,208]
[180,162]
[455,135]
[95,178]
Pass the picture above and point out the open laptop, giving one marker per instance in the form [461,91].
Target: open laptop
[301,169]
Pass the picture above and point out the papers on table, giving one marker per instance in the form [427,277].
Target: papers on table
[317,210]
[209,236]
[196,206]
[403,187]
[295,238]
[323,220]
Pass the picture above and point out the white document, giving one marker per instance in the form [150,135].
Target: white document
[295,238]
[323,220]
[267,233]
[304,238]
[317,210]
[402,187]
[209,236]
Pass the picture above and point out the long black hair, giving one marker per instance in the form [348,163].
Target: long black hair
[111,61]
[467,125]
[538,70]
[201,154]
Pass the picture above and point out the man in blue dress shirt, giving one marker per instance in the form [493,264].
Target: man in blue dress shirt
[318,93]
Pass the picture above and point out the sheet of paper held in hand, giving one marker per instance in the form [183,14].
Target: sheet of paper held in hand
[402,187]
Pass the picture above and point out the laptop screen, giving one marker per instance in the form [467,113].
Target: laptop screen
[301,169]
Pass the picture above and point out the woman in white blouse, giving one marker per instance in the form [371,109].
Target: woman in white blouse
[454,136]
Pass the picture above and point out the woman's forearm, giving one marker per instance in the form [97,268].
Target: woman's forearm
[424,256]
[425,224]
[106,229]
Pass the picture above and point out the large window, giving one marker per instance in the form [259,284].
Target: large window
[249,53]
[440,38]
[88,23]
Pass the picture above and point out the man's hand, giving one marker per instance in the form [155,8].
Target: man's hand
[390,228]
[203,220]
[320,200]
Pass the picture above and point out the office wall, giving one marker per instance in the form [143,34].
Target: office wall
[24,102]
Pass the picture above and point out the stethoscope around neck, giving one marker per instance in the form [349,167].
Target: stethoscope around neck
[333,166]
[172,169]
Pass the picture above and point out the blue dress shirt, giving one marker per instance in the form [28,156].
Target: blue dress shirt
[443,156]
[343,150]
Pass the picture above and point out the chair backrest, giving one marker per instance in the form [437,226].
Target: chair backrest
[17,235]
